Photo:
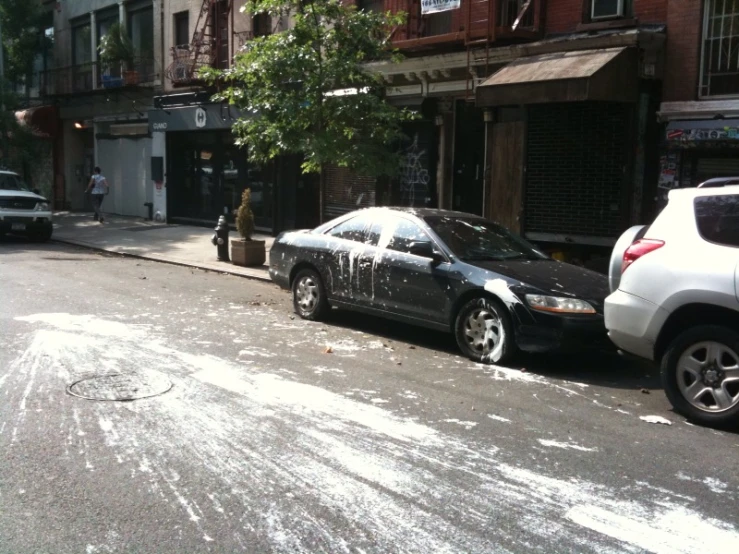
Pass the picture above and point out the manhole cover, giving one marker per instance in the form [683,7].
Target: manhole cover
[120,386]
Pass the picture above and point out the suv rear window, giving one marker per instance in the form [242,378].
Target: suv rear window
[718,218]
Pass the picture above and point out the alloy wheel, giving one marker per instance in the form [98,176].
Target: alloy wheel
[306,293]
[708,376]
[483,330]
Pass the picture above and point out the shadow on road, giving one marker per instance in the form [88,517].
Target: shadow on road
[593,367]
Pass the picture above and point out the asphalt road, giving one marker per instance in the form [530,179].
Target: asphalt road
[261,432]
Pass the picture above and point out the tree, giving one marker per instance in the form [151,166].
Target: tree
[307,90]
[20,21]
[22,40]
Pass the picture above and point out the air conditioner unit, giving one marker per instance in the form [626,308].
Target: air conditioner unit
[605,9]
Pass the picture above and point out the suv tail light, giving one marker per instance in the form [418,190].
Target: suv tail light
[638,249]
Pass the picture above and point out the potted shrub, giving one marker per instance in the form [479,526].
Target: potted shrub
[117,50]
[245,251]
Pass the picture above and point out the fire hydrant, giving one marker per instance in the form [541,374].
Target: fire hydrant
[220,239]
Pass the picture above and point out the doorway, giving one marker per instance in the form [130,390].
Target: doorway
[469,159]
[206,175]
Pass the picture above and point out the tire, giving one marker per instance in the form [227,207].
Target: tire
[309,295]
[41,236]
[484,331]
[700,375]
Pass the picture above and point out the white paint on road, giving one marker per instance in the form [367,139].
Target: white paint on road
[670,530]
[656,419]
[566,445]
[308,469]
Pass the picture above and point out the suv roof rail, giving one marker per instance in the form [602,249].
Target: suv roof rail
[719,182]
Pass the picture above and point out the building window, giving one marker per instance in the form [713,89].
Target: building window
[81,44]
[720,63]
[181,28]
[262,25]
[141,31]
[604,10]
[371,5]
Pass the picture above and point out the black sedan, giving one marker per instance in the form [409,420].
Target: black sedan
[445,270]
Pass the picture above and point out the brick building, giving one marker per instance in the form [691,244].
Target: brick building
[700,112]
[537,114]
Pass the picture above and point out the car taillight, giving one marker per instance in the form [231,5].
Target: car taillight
[638,249]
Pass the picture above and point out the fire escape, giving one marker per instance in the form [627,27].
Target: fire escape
[209,46]
[490,20]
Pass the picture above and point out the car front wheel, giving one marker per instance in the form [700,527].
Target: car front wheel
[700,374]
[484,332]
[309,295]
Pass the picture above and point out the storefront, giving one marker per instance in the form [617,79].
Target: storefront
[568,144]
[695,150]
[205,172]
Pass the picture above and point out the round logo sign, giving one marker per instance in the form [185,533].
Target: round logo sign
[201,118]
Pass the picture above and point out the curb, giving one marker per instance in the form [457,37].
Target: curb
[226,269]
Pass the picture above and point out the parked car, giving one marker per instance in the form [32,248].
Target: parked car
[23,211]
[674,300]
[444,270]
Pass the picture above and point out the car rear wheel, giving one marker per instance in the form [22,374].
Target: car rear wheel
[700,374]
[484,332]
[309,295]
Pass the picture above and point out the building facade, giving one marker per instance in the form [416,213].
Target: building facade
[203,173]
[102,105]
[540,115]
[700,112]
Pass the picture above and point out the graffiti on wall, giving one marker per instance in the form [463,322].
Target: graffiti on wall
[414,177]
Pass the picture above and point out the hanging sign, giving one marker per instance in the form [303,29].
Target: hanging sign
[435,6]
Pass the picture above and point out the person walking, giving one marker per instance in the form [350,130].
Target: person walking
[99,186]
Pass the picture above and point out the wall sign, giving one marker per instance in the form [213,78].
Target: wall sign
[193,118]
[201,118]
[436,6]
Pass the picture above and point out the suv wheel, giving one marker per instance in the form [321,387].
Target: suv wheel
[700,374]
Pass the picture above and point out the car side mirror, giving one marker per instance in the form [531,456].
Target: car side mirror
[425,249]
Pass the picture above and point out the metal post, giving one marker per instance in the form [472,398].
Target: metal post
[4,142]
[94,54]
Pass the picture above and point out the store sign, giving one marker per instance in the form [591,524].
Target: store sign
[201,118]
[193,118]
[436,6]
[727,133]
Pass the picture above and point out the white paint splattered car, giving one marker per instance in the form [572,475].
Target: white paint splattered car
[22,211]
[444,270]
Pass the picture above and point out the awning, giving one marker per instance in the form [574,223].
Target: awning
[42,120]
[609,74]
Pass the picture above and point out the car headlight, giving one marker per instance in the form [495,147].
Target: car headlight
[559,305]
[42,207]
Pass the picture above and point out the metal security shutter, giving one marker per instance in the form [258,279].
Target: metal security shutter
[346,191]
[717,167]
[575,161]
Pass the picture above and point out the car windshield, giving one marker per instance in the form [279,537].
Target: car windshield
[9,181]
[475,239]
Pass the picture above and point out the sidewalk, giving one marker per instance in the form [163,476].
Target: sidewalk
[132,236]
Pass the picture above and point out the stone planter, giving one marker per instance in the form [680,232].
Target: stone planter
[247,252]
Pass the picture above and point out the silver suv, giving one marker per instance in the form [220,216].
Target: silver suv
[674,300]
[22,211]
